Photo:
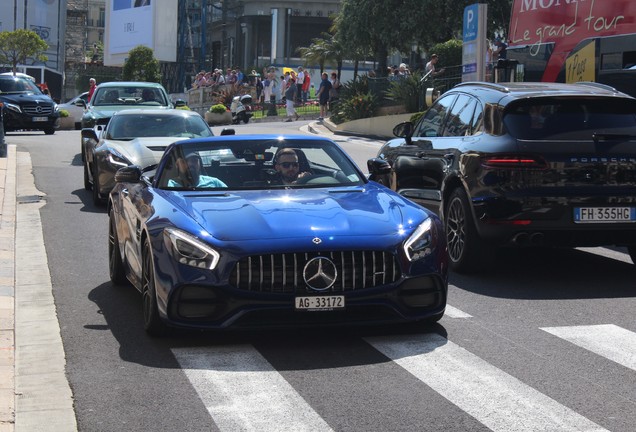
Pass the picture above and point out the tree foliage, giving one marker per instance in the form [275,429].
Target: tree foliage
[141,65]
[397,25]
[19,45]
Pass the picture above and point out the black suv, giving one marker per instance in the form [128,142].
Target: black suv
[520,164]
[26,107]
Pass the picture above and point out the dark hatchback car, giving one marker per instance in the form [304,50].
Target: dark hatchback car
[26,107]
[525,164]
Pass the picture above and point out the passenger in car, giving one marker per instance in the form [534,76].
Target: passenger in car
[189,174]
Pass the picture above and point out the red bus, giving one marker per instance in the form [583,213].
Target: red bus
[575,40]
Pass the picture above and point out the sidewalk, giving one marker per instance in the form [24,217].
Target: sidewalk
[34,391]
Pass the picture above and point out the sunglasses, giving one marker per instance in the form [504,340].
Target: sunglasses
[288,164]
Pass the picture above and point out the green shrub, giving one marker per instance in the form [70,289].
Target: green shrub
[218,109]
[359,106]
[64,113]
[408,91]
[449,52]
[184,107]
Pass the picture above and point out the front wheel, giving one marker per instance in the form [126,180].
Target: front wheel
[49,130]
[97,198]
[466,250]
[87,180]
[115,261]
[152,322]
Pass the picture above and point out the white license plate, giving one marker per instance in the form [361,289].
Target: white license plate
[604,214]
[40,119]
[320,303]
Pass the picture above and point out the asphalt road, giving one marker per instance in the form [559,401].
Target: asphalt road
[546,341]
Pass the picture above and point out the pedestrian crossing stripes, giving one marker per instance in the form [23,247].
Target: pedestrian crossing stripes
[243,392]
[495,398]
[607,340]
[453,312]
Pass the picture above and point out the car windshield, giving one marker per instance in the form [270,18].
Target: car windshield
[570,118]
[10,84]
[131,126]
[129,95]
[256,164]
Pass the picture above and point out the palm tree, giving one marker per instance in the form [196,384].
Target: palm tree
[323,51]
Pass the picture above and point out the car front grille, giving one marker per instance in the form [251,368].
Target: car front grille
[283,273]
[37,109]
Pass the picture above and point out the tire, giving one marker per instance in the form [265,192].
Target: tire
[49,130]
[246,118]
[87,181]
[115,262]
[632,252]
[152,322]
[467,252]
[97,198]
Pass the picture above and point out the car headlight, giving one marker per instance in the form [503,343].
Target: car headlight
[14,107]
[421,242]
[117,160]
[56,108]
[188,250]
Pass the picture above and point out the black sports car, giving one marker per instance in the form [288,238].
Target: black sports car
[523,164]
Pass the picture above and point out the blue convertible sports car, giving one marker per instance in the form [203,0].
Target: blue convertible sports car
[253,231]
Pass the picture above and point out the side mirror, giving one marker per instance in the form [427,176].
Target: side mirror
[228,131]
[378,167]
[80,103]
[404,130]
[89,133]
[129,174]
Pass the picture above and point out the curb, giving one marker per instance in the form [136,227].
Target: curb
[8,209]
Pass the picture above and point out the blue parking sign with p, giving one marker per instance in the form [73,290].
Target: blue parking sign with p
[471,22]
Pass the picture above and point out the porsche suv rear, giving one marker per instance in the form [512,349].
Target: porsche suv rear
[523,164]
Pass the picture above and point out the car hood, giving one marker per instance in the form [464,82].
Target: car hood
[328,213]
[142,151]
[18,98]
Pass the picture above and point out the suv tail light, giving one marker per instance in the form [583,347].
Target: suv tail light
[507,161]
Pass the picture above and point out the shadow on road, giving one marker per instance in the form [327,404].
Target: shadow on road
[551,274]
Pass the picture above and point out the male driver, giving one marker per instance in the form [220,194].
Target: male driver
[190,174]
[287,166]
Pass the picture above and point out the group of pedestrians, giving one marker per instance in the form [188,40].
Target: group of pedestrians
[216,78]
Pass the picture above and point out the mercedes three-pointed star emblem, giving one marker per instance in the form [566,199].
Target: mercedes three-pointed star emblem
[320,273]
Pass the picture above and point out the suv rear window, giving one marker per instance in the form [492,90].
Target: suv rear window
[572,118]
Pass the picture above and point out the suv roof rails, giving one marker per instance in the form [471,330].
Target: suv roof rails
[494,86]
[598,85]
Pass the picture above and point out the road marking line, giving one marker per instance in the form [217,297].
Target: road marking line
[243,392]
[453,312]
[496,399]
[608,340]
